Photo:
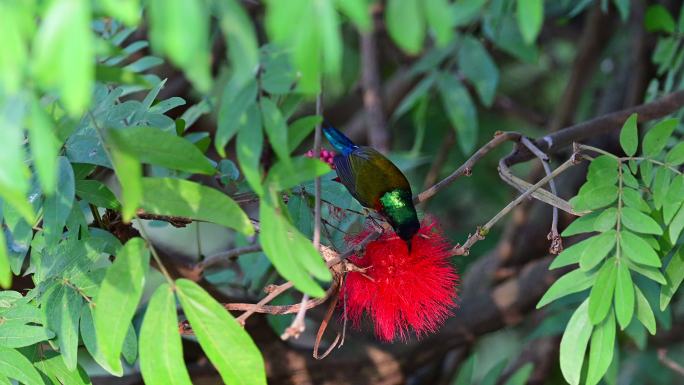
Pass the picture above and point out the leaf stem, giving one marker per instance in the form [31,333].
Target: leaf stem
[156,257]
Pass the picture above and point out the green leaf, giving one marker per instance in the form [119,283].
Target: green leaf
[297,261]
[129,172]
[120,75]
[637,221]
[601,350]
[520,376]
[117,300]
[54,367]
[623,9]
[439,19]
[572,282]
[97,193]
[676,226]
[601,296]
[300,129]
[658,19]
[62,308]
[5,270]
[674,273]
[465,372]
[597,250]
[574,344]
[603,170]
[87,328]
[276,129]
[465,12]
[644,311]
[157,147]
[632,198]
[656,138]
[161,351]
[593,196]
[583,224]
[283,177]
[606,220]
[405,24]
[571,254]
[652,273]
[14,365]
[627,178]
[478,67]
[63,54]
[675,156]
[186,47]
[507,36]
[248,145]
[235,104]
[44,147]
[184,198]
[330,36]
[243,47]
[646,169]
[128,11]
[661,184]
[226,343]
[638,250]
[624,296]
[17,335]
[673,199]
[530,17]
[14,20]
[417,93]
[58,206]
[14,174]
[460,110]
[357,11]
[494,373]
[629,136]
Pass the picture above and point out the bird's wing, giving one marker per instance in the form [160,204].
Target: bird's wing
[347,176]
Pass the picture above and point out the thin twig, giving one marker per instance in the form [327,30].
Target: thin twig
[483,230]
[224,255]
[156,257]
[556,242]
[299,323]
[670,363]
[276,291]
[174,221]
[467,167]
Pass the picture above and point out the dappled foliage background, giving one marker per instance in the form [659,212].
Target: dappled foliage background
[153,163]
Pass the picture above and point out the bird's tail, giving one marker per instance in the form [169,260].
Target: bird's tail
[338,140]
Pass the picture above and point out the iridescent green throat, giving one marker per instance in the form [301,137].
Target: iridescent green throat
[397,205]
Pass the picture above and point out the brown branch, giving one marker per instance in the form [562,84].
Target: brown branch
[175,221]
[557,141]
[598,26]
[670,363]
[467,167]
[378,135]
[226,255]
[483,230]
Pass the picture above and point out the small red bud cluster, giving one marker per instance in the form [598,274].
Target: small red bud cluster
[324,155]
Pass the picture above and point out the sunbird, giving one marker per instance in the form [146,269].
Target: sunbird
[375,182]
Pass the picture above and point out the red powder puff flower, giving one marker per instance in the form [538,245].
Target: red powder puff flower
[400,290]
